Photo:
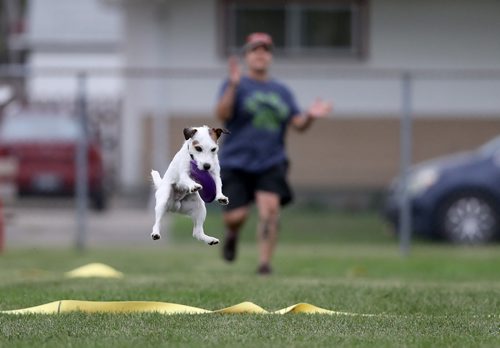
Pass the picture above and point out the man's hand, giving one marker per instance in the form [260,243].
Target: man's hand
[234,70]
[319,109]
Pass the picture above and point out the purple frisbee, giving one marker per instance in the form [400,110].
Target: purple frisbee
[203,177]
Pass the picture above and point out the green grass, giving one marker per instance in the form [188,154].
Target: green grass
[438,296]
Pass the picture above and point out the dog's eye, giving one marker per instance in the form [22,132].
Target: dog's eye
[198,148]
[213,150]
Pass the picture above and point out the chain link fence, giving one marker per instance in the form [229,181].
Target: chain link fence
[143,107]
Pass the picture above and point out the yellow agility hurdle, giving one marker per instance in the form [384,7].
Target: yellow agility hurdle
[68,306]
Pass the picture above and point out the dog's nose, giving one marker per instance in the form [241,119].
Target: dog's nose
[206,166]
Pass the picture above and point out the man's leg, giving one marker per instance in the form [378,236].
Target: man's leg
[268,206]
[233,221]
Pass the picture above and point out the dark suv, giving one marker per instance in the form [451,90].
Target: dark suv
[455,197]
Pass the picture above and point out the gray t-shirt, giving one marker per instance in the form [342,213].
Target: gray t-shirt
[261,113]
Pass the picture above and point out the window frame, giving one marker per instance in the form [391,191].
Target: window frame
[293,48]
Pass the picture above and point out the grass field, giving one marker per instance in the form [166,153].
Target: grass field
[438,296]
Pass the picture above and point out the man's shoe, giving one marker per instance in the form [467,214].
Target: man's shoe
[229,250]
[264,269]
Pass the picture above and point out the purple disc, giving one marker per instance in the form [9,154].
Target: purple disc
[205,179]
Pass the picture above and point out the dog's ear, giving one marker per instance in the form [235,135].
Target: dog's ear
[189,132]
[219,131]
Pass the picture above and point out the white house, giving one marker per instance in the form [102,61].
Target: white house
[73,36]
[349,51]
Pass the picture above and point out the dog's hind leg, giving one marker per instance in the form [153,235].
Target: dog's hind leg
[162,196]
[195,208]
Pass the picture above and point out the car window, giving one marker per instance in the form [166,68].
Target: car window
[21,128]
[491,147]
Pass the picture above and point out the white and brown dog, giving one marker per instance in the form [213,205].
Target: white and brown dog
[177,192]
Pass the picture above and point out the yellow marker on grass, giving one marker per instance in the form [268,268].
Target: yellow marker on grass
[98,270]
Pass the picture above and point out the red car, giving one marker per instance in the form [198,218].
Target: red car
[45,147]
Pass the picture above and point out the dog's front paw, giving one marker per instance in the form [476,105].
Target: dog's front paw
[212,241]
[223,200]
[155,236]
[195,188]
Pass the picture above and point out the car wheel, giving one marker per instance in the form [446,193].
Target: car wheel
[469,219]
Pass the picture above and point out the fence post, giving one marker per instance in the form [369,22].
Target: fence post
[2,228]
[8,191]
[81,164]
[406,159]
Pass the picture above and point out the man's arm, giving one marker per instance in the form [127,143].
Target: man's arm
[301,122]
[319,109]
[225,105]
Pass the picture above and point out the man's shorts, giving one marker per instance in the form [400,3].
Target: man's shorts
[240,186]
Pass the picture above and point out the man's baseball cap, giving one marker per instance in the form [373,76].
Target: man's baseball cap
[255,40]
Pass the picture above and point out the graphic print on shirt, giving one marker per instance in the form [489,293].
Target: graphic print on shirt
[268,110]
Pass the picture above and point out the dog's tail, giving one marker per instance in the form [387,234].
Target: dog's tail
[156,178]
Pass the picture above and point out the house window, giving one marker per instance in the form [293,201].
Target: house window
[334,27]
